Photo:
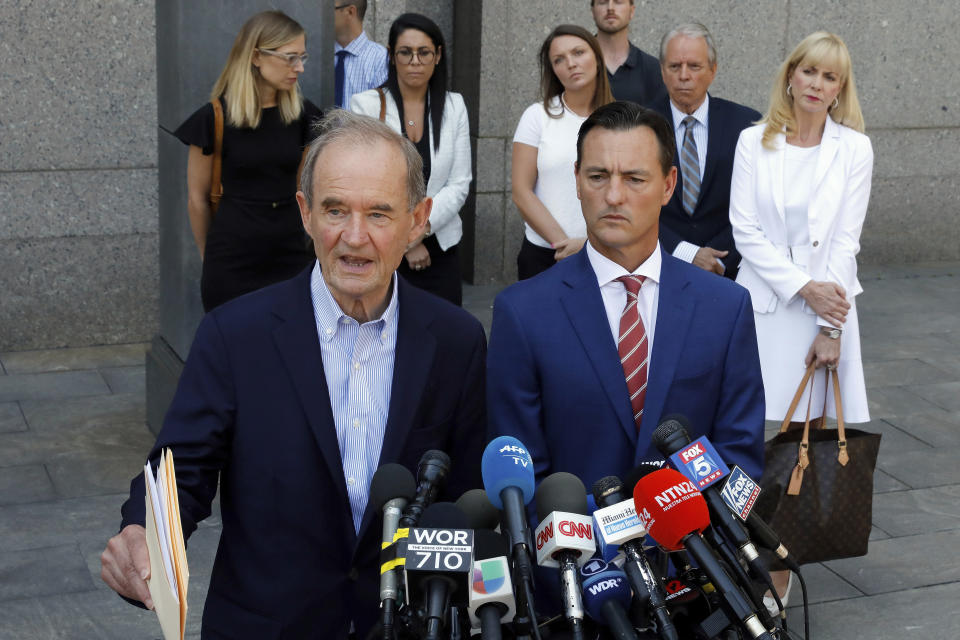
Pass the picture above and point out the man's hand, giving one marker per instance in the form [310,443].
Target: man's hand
[418,257]
[706,259]
[828,300]
[125,564]
[824,351]
[567,247]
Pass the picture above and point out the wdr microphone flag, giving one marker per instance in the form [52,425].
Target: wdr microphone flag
[489,576]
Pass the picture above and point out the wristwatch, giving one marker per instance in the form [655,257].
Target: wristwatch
[830,332]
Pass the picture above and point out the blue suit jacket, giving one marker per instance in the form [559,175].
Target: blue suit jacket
[554,378]
[709,226]
[252,410]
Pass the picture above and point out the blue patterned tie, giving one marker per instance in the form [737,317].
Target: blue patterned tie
[339,79]
[690,167]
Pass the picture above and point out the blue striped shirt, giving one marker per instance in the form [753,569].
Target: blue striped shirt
[358,365]
[365,66]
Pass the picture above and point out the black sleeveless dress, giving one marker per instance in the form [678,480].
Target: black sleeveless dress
[256,237]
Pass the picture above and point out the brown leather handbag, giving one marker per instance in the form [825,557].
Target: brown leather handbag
[823,483]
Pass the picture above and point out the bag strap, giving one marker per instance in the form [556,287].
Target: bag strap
[843,457]
[803,452]
[216,186]
[803,457]
[383,105]
[796,399]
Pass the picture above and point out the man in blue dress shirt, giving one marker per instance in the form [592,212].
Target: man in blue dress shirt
[293,395]
[360,63]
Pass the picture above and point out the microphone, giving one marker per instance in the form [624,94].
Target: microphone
[480,512]
[437,563]
[675,514]
[619,524]
[491,592]
[565,538]
[606,596]
[701,463]
[508,479]
[391,488]
[431,474]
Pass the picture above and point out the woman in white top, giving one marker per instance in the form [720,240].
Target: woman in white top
[573,82]
[798,198]
[415,102]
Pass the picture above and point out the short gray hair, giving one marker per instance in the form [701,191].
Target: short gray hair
[690,30]
[356,130]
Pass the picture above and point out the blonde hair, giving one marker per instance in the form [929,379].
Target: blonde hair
[238,82]
[819,49]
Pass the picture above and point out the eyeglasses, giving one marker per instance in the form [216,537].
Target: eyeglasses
[290,58]
[405,55]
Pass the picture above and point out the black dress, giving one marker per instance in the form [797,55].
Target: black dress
[256,237]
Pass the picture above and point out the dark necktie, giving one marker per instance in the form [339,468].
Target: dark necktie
[690,167]
[339,79]
[633,348]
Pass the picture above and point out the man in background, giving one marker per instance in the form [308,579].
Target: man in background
[634,75]
[361,63]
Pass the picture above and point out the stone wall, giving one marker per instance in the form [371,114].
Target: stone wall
[909,88]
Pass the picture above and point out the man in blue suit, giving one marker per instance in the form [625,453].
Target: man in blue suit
[563,371]
[695,223]
[292,396]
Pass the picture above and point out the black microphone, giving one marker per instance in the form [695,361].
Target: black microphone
[437,563]
[431,474]
[391,488]
[480,512]
[617,518]
[564,539]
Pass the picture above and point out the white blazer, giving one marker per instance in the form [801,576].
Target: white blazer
[450,169]
[838,206]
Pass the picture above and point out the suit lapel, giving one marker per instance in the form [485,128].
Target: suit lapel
[714,126]
[583,305]
[829,144]
[774,161]
[296,340]
[674,312]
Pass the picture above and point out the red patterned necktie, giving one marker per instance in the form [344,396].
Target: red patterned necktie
[632,346]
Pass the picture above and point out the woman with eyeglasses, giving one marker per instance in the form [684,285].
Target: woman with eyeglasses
[573,82]
[255,238]
[415,101]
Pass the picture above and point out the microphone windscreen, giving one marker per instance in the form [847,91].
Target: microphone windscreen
[674,505]
[489,544]
[561,491]
[506,463]
[478,509]
[668,427]
[391,481]
[600,587]
[633,476]
[608,490]
[443,515]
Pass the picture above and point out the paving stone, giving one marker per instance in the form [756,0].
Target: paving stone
[893,441]
[126,379]
[70,413]
[876,533]
[123,443]
[63,384]
[59,522]
[889,402]
[883,482]
[921,469]
[823,585]
[938,429]
[25,484]
[94,473]
[902,563]
[42,572]
[919,613]
[895,373]
[11,418]
[904,513]
[876,346]
[946,395]
[948,360]
[43,360]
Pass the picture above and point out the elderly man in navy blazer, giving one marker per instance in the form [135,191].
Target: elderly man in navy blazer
[292,396]
[586,358]
[695,223]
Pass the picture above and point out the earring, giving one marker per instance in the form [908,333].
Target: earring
[836,102]
[789,87]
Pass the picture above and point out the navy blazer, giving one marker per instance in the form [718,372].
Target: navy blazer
[709,226]
[554,378]
[252,410]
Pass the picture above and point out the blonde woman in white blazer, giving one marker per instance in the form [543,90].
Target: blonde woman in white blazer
[801,183]
[415,102]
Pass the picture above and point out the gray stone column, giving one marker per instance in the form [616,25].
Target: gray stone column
[193,40]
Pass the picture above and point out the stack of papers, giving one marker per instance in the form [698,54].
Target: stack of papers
[169,575]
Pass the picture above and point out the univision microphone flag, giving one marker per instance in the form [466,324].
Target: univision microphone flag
[490,576]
